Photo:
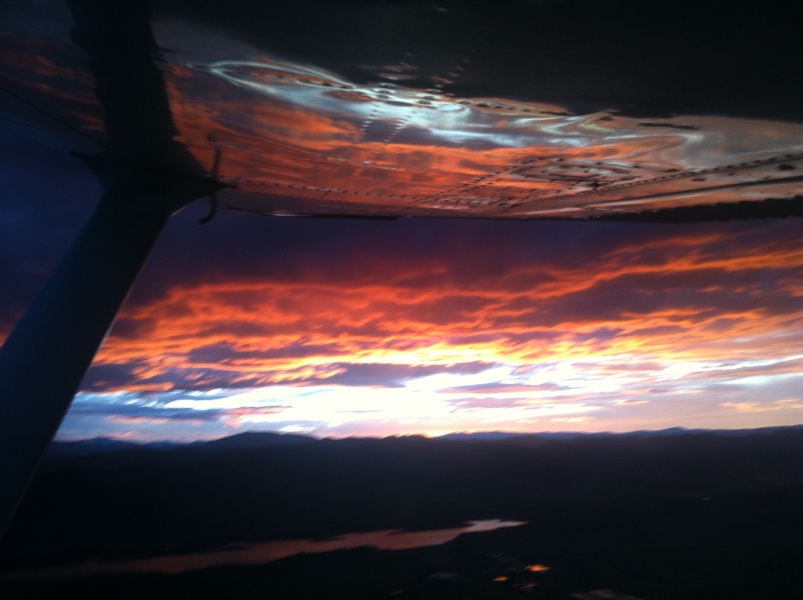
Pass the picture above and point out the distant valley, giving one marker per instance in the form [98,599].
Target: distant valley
[692,514]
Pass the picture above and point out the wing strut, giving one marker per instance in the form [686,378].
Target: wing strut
[45,357]
[148,177]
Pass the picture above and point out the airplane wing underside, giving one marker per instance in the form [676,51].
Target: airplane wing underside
[520,110]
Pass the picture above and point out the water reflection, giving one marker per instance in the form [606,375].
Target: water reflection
[407,124]
[252,554]
[315,136]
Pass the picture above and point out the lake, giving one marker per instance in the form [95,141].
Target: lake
[251,554]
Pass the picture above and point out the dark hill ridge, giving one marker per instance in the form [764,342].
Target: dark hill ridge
[141,501]
[101,445]
[256,439]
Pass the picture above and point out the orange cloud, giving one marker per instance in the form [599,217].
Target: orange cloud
[639,303]
[48,73]
[138,423]
[756,407]
[237,417]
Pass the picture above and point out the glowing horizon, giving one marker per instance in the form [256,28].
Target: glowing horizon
[425,327]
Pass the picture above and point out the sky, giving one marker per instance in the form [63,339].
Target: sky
[419,326]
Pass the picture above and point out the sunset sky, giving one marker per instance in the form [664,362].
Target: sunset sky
[338,327]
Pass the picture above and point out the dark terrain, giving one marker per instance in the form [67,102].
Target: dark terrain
[652,516]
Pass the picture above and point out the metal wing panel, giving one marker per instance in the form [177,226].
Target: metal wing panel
[521,110]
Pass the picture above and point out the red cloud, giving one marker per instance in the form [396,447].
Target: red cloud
[681,297]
